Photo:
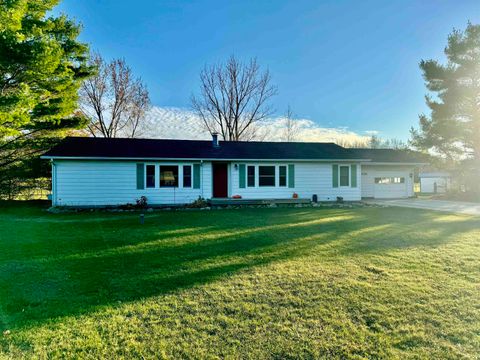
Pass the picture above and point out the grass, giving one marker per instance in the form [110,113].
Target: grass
[253,283]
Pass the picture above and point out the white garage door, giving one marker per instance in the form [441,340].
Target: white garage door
[391,186]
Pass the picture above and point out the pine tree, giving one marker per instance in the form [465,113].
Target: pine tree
[42,66]
[453,128]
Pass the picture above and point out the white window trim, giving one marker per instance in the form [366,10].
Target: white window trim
[275,176]
[180,176]
[156,179]
[180,180]
[286,176]
[255,177]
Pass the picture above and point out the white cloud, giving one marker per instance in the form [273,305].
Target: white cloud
[309,131]
[177,123]
[174,123]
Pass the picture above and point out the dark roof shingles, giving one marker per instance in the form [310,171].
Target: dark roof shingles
[391,155]
[84,147]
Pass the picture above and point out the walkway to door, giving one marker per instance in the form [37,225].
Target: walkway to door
[440,205]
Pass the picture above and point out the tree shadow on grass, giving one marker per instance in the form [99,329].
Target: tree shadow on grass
[399,228]
[116,260]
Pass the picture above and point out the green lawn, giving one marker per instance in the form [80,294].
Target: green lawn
[252,283]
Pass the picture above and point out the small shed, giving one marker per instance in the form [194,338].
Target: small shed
[435,182]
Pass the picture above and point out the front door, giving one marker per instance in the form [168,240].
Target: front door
[220,180]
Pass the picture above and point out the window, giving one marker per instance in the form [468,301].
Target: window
[282,176]
[187,176]
[251,176]
[266,176]
[150,176]
[389,180]
[344,175]
[168,176]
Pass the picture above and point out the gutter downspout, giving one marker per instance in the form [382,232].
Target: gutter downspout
[54,184]
[201,178]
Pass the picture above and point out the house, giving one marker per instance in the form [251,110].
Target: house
[434,182]
[100,171]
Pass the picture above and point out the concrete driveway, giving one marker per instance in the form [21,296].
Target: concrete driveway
[440,205]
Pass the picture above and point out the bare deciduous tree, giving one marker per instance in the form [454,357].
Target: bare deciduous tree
[372,142]
[292,127]
[396,144]
[114,101]
[375,142]
[234,98]
[353,143]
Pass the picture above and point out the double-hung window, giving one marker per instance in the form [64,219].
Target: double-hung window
[187,176]
[344,176]
[251,176]
[168,176]
[282,180]
[150,183]
[266,176]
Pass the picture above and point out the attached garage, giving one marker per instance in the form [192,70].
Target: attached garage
[390,173]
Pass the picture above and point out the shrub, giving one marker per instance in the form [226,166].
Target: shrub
[142,202]
[199,203]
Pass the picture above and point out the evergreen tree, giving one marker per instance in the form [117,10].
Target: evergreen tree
[42,66]
[453,128]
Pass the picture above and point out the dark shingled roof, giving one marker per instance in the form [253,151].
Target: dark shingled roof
[85,147]
[391,155]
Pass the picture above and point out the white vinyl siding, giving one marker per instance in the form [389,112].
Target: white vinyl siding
[97,183]
[92,183]
[310,178]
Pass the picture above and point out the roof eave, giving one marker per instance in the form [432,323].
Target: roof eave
[397,163]
[52,157]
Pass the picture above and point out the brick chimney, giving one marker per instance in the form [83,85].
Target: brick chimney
[215,140]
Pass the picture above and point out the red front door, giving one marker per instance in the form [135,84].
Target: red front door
[220,180]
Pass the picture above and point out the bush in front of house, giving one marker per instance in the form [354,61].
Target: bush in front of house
[142,202]
[198,204]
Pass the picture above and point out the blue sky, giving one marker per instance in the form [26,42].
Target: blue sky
[346,64]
